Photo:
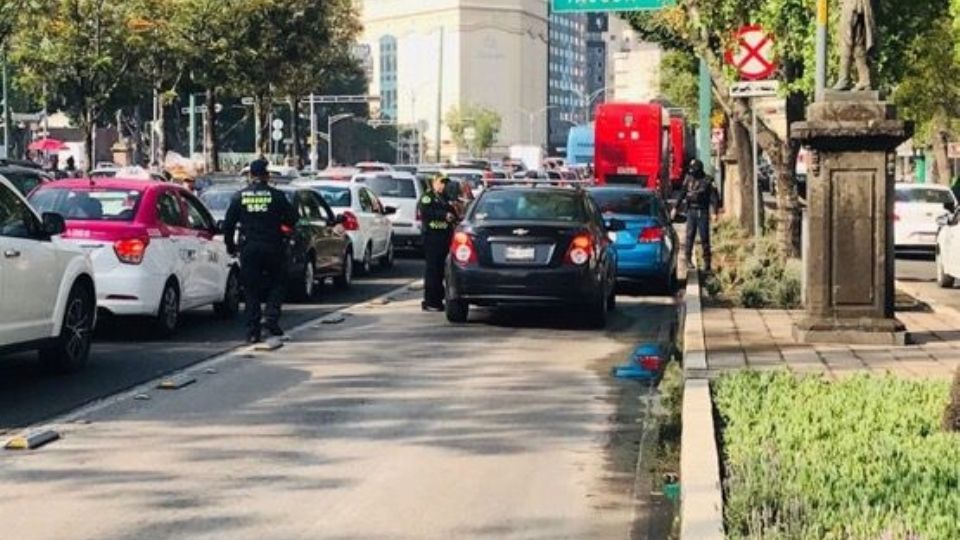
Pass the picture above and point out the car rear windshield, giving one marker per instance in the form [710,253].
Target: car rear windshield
[217,200]
[385,186]
[630,203]
[24,182]
[920,195]
[91,204]
[337,197]
[529,205]
[473,179]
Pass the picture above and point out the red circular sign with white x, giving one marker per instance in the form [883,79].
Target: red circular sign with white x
[754,55]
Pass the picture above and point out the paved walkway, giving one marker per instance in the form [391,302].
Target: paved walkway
[763,339]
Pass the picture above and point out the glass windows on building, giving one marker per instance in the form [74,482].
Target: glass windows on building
[388,77]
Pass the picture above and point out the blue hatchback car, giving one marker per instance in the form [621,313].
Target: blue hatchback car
[647,250]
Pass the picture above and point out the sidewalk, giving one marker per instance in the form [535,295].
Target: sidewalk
[763,339]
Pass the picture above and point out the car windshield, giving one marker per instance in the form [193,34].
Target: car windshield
[475,180]
[630,203]
[217,200]
[336,197]
[524,205]
[385,186]
[92,204]
[24,182]
[921,195]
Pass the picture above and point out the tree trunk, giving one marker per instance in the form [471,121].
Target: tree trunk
[212,157]
[939,141]
[160,130]
[262,104]
[743,188]
[88,126]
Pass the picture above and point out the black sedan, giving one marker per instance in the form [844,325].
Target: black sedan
[533,246]
[319,247]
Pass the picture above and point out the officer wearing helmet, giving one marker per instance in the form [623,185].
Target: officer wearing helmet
[439,219]
[698,196]
[266,218]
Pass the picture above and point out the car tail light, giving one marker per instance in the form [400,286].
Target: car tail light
[350,222]
[651,235]
[419,214]
[462,249]
[286,229]
[650,363]
[131,250]
[580,249]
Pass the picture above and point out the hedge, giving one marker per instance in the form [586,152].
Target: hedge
[859,459]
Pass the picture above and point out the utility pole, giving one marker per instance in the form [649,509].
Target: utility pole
[439,96]
[192,139]
[314,149]
[704,141]
[821,73]
[6,111]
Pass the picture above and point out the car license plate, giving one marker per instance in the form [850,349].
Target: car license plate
[520,253]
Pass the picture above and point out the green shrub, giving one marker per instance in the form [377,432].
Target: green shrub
[752,273]
[858,459]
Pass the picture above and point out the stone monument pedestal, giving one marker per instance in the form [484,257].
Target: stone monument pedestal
[850,272]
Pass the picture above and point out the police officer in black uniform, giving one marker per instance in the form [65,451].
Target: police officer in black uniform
[698,195]
[263,214]
[439,219]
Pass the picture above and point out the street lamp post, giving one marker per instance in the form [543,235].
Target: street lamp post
[330,122]
[532,116]
[588,99]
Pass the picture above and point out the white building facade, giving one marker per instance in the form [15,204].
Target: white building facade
[431,55]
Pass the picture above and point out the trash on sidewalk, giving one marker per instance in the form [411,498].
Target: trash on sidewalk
[645,363]
[32,440]
[336,318]
[176,382]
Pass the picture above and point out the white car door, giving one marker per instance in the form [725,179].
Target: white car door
[367,218]
[379,224]
[30,272]
[183,248]
[212,262]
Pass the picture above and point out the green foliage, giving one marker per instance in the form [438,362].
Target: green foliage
[679,81]
[752,274]
[858,459]
[484,122]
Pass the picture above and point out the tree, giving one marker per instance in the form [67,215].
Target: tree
[929,93]
[80,52]
[9,12]
[473,127]
[679,82]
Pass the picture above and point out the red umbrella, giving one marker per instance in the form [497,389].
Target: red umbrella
[47,145]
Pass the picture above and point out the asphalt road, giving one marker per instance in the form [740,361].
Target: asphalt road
[920,274]
[392,424]
[125,354]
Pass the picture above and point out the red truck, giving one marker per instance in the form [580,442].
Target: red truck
[681,139]
[632,145]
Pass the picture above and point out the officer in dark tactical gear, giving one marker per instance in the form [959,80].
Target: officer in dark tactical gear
[266,218]
[439,219]
[698,195]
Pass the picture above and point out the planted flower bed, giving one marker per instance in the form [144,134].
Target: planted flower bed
[862,458]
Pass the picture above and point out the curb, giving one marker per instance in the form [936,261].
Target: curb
[701,493]
[935,305]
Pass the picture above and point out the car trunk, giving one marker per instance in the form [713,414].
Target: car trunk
[635,225]
[97,238]
[918,217]
[519,244]
[406,210]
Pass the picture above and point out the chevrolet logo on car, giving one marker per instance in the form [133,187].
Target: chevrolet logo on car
[520,232]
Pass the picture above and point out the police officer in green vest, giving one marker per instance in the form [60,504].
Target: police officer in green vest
[439,219]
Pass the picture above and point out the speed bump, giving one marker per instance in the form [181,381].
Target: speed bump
[30,441]
[176,382]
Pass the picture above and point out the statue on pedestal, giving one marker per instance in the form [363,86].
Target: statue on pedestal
[857,36]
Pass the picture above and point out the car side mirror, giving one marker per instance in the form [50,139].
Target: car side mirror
[53,224]
[950,206]
[944,220]
[616,225]
[218,227]
[389,210]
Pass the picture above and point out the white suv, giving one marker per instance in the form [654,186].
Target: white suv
[47,294]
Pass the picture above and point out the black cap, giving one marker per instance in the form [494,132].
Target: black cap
[260,168]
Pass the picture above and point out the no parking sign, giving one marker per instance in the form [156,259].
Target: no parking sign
[753,54]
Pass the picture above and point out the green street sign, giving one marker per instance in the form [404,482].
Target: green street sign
[585,6]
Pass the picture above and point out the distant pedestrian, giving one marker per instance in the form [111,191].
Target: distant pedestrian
[71,165]
[266,218]
[698,196]
[439,219]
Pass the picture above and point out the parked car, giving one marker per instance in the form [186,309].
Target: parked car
[403,192]
[152,245]
[24,179]
[915,212]
[47,290]
[319,247]
[947,261]
[647,249]
[373,166]
[473,178]
[533,246]
[365,219]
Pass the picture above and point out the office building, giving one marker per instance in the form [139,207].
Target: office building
[567,78]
